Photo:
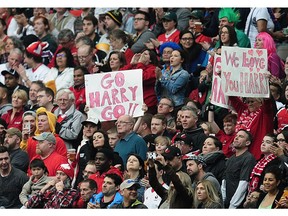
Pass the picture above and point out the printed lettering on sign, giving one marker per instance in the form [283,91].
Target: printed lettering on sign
[111,95]
[243,72]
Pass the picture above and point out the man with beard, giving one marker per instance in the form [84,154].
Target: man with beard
[11,181]
[195,169]
[45,150]
[18,157]
[128,190]
[110,194]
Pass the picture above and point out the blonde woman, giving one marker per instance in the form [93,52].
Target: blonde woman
[206,195]
[161,143]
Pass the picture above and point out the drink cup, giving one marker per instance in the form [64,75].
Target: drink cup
[198,26]
[72,154]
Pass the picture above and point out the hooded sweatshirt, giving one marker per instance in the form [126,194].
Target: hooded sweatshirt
[31,143]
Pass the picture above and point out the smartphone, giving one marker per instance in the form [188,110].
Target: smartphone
[27,126]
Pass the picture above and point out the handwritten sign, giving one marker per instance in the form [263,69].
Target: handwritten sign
[111,95]
[243,72]
[217,95]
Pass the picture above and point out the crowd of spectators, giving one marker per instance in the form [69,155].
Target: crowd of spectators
[184,152]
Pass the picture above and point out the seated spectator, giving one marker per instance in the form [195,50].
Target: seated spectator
[45,98]
[13,117]
[49,195]
[36,182]
[69,118]
[4,104]
[45,122]
[128,189]
[28,127]
[110,194]
[206,196]
[3,127]
[87,188]
[61,75]
[19,158]
[78,87]
[33,90]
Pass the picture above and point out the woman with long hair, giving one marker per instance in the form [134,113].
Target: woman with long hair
[275,63]
[206,196]
[228,36]
[272,184]
[62,74]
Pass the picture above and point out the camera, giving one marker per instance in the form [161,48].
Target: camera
[151,155]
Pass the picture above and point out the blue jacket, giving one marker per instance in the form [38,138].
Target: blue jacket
[97,198]
[173,86]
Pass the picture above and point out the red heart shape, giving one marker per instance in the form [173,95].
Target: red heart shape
[259,52]
[250,52]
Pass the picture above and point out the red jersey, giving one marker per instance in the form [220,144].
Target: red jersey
[16,122]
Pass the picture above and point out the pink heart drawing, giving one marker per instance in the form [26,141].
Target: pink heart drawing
[250,52]
[251,69]
[259,52]
[258,69]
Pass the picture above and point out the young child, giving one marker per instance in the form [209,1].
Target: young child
[36,182]
[113,136]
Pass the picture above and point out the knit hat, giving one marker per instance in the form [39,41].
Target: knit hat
[171,152]
[14,131]
[67,169]
[51,119]
[36,48]
[116,16]
[46,136]
[172,45]
[170,16]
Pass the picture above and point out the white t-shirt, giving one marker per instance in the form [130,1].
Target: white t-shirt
[151,198]
[257,14]
[39,74]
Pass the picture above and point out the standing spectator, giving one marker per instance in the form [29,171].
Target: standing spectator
[19,158]
[129,141]
[173,84]
[275,63]
[252,113]
[143,34]
[258,20]
[180,192]
[62,19]
[11,181]
[238,168]
[42,30]
[69,118]
[147,61]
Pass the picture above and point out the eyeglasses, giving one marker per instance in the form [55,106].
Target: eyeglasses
[280,140]
[83,57]
[63,100]
[187,39]
[122,122]
[62,55]
[139,19]
[222,32]
[164,104]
